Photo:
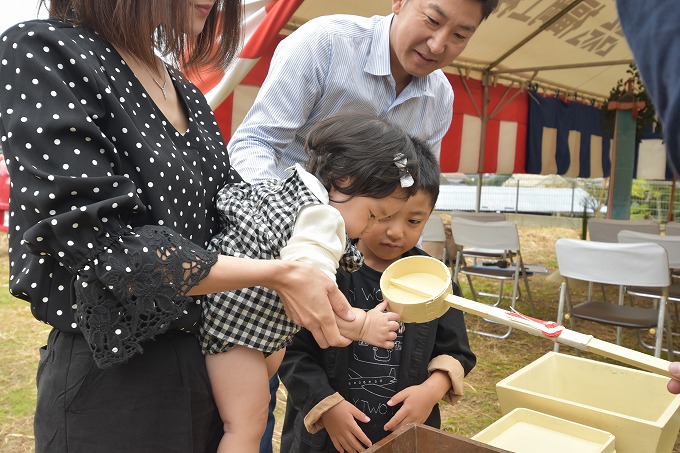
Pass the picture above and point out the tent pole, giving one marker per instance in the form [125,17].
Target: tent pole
[623,157]
[486,79]
[671,215]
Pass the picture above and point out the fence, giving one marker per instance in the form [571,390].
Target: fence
[556,196]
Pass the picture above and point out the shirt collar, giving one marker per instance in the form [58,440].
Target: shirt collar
[379,57]
[312,183]
[378,62]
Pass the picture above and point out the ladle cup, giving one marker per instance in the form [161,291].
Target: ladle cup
[419,289]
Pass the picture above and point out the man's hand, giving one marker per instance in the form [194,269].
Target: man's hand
[674,384]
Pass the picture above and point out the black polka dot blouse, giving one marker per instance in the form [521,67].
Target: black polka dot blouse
[109,204]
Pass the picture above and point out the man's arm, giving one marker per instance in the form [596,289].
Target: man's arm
[282,107]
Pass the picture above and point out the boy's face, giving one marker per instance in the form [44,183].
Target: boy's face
[392,236]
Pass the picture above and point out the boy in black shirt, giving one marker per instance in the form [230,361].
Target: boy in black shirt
[348,398]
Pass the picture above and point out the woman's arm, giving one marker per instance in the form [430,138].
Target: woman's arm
[304,290]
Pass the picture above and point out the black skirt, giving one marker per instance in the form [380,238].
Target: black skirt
[160,401]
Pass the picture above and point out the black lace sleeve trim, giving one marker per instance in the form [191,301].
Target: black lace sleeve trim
[135,288]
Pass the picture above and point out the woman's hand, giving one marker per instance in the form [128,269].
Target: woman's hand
[309,296]
[310,299]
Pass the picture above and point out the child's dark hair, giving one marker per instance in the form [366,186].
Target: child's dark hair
[365,150]
[428,178]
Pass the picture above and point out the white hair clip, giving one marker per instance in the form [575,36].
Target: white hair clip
[405,179]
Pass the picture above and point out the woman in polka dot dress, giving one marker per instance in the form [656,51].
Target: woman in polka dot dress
[115,161]
[360,168]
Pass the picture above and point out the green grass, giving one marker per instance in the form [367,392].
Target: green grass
[21,336]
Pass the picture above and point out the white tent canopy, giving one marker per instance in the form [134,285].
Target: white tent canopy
[575,46]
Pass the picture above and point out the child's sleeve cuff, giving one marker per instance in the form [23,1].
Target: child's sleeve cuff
[456,373]
[313,421]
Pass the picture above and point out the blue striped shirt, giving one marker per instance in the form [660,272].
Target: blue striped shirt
[329,65]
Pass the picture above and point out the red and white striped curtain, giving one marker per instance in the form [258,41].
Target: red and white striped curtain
[263,21]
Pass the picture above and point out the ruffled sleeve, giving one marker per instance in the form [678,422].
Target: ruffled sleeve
[135,289]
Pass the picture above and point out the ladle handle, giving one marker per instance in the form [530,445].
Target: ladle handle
[568,337]
[629,356]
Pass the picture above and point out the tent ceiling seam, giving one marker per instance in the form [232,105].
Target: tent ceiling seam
[531,36]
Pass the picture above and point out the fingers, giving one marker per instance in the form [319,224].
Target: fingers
[319,337]
[345,433]
[406,413]
[359,415]
[396,421]
[328,327]
[348,444]
[674,369]
[310,299]
[332,335]
[391,317]
[359,439]
[382,306]
[674,386]
[340,306]
[399,397]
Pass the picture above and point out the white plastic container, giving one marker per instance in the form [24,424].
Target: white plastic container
[525,431]
[631,404]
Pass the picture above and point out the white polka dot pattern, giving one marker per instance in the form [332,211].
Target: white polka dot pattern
[91,161]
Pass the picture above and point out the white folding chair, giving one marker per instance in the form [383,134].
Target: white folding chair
[479,216]
[434,237]
[672,229]
[642,264]
[670,243]
[483,217]
[502,237]
[672,246]
[606,230]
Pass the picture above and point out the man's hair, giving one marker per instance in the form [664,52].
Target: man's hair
[130,24]
[488,7]
[429,175]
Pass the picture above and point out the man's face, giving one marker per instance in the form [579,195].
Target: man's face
[429,34]
[393,236]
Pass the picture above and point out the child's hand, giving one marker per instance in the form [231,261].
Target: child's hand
[418,401]
[380,327]
[342,428]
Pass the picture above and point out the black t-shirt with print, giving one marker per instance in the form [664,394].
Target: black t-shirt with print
[372,371]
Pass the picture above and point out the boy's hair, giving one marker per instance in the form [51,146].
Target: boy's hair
[429,175]
[361,152]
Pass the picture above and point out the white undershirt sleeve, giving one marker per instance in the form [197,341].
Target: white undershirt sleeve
[318,238]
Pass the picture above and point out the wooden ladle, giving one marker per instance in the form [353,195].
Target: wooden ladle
[419,289]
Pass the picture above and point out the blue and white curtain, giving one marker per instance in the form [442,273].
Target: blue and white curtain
[566,138]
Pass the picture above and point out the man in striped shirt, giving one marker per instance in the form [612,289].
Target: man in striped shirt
[390,66]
